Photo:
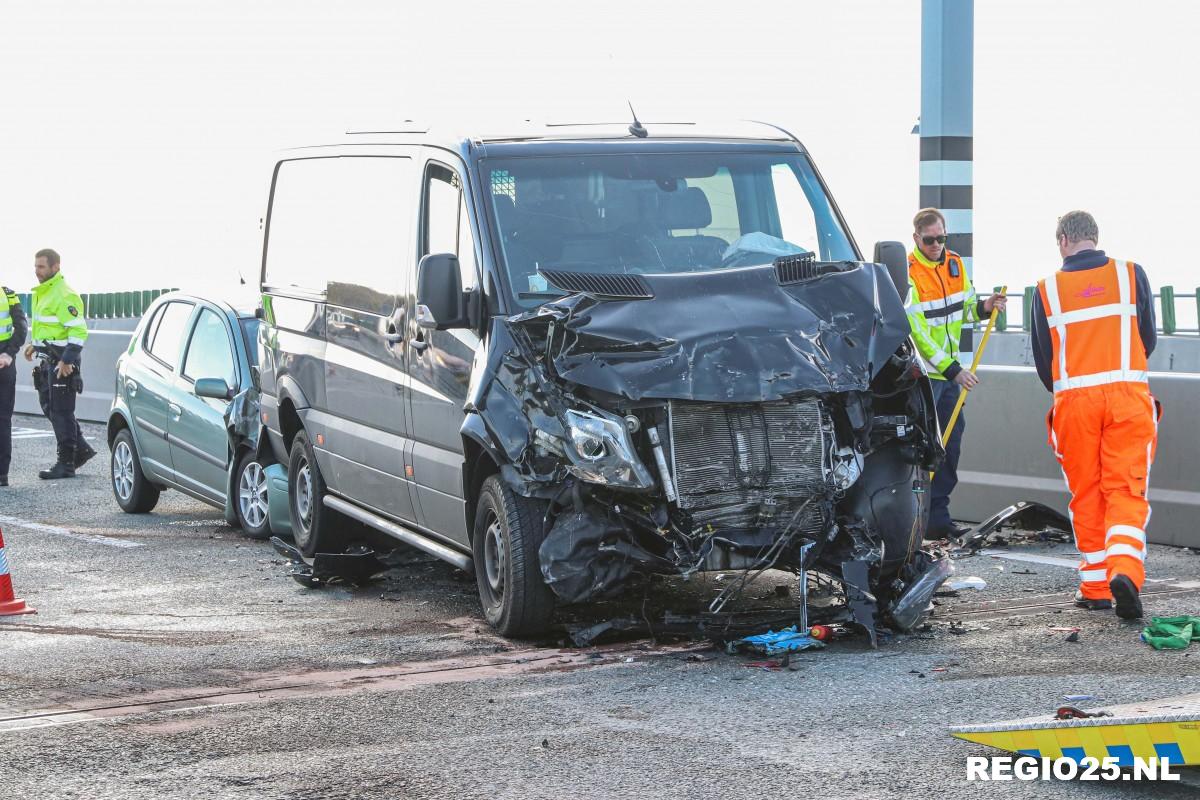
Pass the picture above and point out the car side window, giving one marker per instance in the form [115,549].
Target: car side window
[166,332]
[447,226]
[209,354]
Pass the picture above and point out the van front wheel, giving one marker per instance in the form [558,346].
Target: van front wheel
[508,532]
[313,525]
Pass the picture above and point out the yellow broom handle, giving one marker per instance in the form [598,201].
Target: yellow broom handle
[962,396]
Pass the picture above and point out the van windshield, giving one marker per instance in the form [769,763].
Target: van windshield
[656,213]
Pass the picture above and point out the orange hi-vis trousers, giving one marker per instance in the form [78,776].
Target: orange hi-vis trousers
[1104,437]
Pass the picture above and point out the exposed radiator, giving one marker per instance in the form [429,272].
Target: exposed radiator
[749,466]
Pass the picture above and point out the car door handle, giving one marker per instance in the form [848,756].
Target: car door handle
[131,388]
[393,337]
[175,410]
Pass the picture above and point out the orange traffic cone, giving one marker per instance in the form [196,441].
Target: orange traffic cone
[9,605]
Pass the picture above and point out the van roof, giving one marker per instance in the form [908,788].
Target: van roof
[460,139]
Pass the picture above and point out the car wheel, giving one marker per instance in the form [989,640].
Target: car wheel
[251,504]
[135,494]
[313,525]
[508,532]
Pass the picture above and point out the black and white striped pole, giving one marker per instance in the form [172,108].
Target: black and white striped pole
[947,112]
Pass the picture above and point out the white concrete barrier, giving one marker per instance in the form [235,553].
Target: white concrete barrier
[99,376]
[1006,458]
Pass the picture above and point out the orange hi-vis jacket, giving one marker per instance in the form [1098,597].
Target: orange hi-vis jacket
[1092,317]
[1103,426]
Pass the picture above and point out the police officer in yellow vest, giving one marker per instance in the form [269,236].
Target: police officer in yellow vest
[13,328]
[940,299]
[59,333]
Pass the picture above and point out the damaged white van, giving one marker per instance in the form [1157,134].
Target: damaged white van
[560,355]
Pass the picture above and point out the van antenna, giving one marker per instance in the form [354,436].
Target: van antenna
[637,129]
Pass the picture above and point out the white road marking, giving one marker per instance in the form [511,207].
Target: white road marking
[54,530]
[36,433]
[1053,561]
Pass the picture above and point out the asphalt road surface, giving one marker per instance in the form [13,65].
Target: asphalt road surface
[171,657]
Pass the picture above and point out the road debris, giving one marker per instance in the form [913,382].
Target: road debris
[788,640]
[972,582]
[1172,633]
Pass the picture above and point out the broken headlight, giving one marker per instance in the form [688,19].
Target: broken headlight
[601,451]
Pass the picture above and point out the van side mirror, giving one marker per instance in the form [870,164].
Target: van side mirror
[440,301]
[216,388]
[893,256]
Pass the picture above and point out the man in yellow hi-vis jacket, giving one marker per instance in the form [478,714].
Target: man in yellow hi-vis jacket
[57,338]
[940,299]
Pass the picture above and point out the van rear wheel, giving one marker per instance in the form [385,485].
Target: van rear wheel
[508,532]
[314,527]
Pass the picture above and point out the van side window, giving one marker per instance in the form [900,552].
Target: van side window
[341,225]
[447,226]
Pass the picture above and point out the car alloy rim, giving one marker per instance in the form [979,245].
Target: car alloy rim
[493,558]
[123,471]
[304,494]
[252,494]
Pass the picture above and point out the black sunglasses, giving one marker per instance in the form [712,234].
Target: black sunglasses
[928,240]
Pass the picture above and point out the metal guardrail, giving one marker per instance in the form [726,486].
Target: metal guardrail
[1166,297]
[110,305]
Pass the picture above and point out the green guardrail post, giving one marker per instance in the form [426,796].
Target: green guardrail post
[1027,308]
[1167,295]
[122,310]
[147,299]
[86,304]
[1002,317]
[1198,306]
[26,303]
[106,305]
[133,302]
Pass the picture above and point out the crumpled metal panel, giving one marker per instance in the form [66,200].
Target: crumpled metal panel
[730,336]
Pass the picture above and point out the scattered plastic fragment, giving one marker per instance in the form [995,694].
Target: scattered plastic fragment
[821,632]
[1070,712]
[973,582]
[1078,698]
[1073,637]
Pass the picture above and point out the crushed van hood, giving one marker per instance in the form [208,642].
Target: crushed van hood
[731,336]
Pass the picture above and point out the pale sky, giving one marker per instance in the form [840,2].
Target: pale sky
[136,135]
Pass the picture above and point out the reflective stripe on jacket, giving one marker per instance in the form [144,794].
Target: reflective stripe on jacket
[58,315]
[1093,322]
[939,303]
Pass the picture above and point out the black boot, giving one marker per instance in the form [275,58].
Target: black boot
[63,468]
[1129,605]
[3,480]
[83,453]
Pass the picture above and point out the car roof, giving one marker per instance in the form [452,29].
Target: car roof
[241,302]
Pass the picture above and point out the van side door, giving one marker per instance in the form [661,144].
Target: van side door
[440,361]
[363,212]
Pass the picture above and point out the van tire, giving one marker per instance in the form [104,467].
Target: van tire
[314,527]
[508,532]
[134,494]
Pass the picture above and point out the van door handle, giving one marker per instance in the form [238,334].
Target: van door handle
[419,344]
[131,388]
[392,337]
[176,411]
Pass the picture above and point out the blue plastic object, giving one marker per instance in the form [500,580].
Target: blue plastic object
[788,640]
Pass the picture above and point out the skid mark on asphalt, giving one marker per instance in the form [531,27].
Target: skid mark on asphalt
[279,685]
[54,530]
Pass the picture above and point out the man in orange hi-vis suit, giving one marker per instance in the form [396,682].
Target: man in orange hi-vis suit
[1092,333]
